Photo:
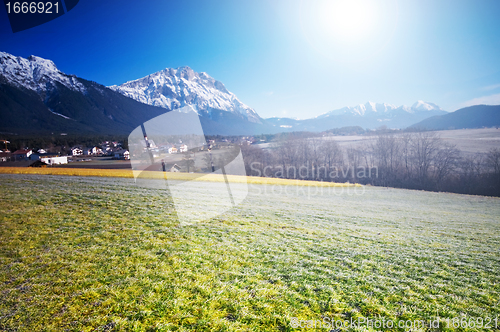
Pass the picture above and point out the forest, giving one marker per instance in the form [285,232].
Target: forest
[412,160]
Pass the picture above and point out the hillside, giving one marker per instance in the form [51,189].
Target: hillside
[99,111]
[37,98]
[465,118]
[101,254]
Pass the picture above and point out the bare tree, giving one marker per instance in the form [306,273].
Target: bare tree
[254,158]
[188,161]
[287,154]
[387,152]
[470,173]
[423,146]
[333,156]
[315,152]
[445,162]
[355,158]
[406,155]
[304,154]
[493,160]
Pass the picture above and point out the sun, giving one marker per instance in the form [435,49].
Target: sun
[348,20]
[348,31]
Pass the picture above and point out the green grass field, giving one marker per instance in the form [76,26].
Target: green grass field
[99,254]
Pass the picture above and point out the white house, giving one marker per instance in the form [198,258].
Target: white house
[50,158]
[122,154]
[54,160]
[183,148]
[96,150]
[172,150]
[76,151]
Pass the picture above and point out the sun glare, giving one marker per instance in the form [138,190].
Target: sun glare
[348,31]
[348,21]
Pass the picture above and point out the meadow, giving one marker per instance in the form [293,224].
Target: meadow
[469,141]
[101,254]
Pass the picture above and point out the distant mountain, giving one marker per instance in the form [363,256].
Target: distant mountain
[177,88]
[37,98]
[370,115]
[469,117]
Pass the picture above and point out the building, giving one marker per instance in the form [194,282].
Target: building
[96,151]
[175,168]
[183,148]
[172,150]
[50,158]
[54,160]
[122,154]
[76,151]
[164,147]
[22,154]
[5,156]
[87,151]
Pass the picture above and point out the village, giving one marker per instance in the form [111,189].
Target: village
[29,157]
[107,153]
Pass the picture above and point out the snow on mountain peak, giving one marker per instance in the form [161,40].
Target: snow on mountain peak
[368,108]
[175,88]
[425,106]
[371,108]
[35,73]
[41,62]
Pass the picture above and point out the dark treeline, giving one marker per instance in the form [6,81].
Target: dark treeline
[413,160]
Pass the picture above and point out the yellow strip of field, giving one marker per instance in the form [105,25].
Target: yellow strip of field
[122,173]
[125,173]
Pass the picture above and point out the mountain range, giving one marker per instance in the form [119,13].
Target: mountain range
[37,98]
[370,115]
[177,88]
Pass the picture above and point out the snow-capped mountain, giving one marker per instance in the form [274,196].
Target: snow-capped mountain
[422,106]
[370,115]
[382,109]
[35,73]
[175,88]
[36,97]
[361,109]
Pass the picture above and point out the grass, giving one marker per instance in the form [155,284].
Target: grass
[99,254]
[128,173]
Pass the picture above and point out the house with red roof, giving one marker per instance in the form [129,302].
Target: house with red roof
[22,154]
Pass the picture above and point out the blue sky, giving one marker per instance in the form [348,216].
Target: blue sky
[285,58]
